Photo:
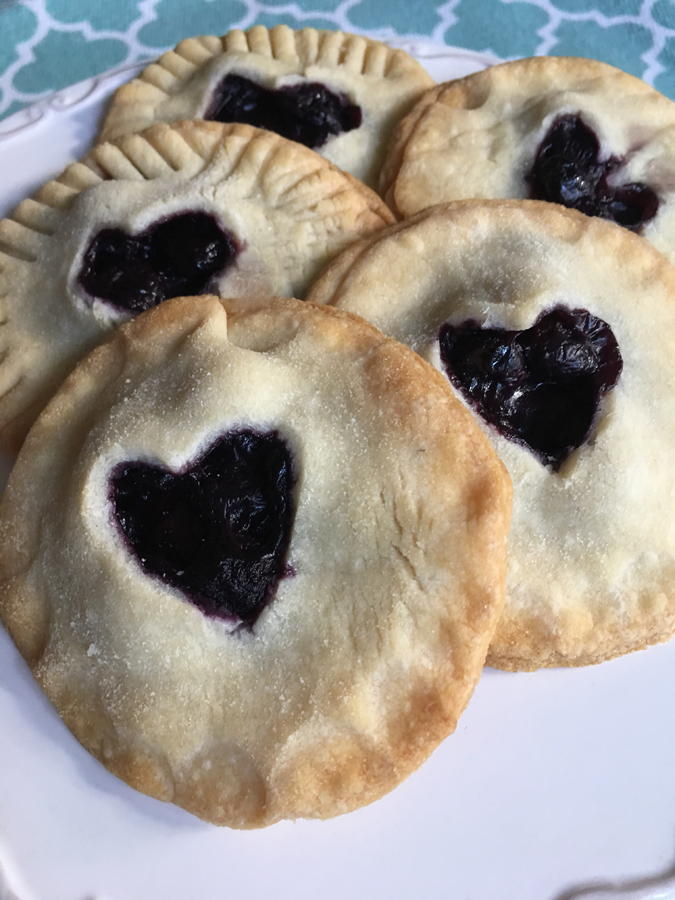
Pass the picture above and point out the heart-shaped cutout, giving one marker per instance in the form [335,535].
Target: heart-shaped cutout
[567,170]
[218,530]
[176,257]
[540,387]
[308,112]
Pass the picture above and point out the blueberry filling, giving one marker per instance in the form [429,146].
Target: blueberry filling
[567,170]
[176,257]
[308,113]
[219,530]
[540,387]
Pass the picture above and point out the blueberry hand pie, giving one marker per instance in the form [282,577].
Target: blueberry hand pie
[558,331]
[340,94]
[179,210]
[571,131]
[254,553]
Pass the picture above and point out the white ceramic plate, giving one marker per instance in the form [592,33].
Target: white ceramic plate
[554,781]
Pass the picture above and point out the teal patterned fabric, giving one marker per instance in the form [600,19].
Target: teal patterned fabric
[48,44]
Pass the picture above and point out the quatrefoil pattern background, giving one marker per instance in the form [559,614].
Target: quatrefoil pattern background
[46,45]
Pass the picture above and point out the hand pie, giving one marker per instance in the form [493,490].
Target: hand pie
[570,131]
[558,331]
[254,554]
[340,94]
[181,209]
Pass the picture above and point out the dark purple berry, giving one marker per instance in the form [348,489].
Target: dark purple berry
[219,530]
[178,256]
[540,387]
[567,170]
[308,113]
[632,205]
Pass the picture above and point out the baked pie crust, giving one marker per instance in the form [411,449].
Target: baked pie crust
[592,546]
[372,645]
[289,209]
[384,82]
[478,137]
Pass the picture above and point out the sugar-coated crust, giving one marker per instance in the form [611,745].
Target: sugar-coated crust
[478,136]
[370,649]
[396,149]
[291,210]
[383,81]
[591,548]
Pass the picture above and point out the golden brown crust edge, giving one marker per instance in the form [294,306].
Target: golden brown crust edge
[396,148]
[523,643]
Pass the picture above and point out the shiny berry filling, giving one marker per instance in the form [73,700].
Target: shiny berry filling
[218,530]
[567,170]
[308,113]
[540,387]
[176,257]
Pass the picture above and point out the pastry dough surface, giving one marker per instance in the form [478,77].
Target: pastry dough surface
[382,81]
[592,546]
[477,137]
[289,210]
[371,647]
